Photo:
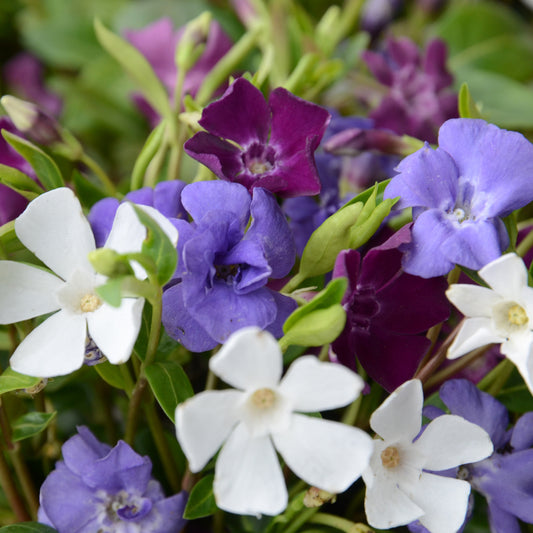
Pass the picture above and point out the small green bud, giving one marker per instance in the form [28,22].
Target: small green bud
[109,263]
[192,43]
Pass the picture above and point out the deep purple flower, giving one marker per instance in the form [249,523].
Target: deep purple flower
[11,203]
[165,197]
[459,194]
[224,265]
[24,76]
[419,99]
[99,488]
[504,479]
[158,42]
[261,144]
[387,313]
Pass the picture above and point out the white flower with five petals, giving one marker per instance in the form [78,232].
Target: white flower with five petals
[501,314]
[399,490]
[54,228]
[261,415]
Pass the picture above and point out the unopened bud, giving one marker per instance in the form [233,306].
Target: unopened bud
[192,43]
[316,497]
[36,125]
[109,263]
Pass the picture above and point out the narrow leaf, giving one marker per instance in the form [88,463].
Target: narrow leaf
[11,381]
[44,166]
[18,181]
[27,527]
[170,385]
[201,500]
[467,105]
[31,424]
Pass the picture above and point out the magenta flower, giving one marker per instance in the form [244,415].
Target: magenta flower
[388,313]
[261,144]
[419,99]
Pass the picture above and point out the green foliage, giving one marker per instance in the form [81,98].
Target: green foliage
[467,106]
[27,527]
[11,381]
[201,500]
[19,182]
[170,385]
[111,374]
[31,424]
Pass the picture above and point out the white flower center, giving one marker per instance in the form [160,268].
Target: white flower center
[90,302]
[263,398]
[510,317]
[390,457]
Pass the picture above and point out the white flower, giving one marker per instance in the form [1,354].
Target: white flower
[261,416]
[399,490]
[502,314]
[54,228]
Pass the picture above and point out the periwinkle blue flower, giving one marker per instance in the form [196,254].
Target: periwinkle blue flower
[225,262]
[459,193]
[109,490]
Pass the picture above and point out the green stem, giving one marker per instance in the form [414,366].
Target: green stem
[301,519]
[525,244]
[340,523]
[133,410]
[177,141]
[293,283]
[350,414]
[25,480]
[10,490]
[99,172]
[497,377]
[150,149]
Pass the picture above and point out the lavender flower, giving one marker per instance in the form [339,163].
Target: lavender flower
[459,194]
[109,490]
[504,478]
[260,144]
[388,312]
[419,100]
[220,283]
[158,42]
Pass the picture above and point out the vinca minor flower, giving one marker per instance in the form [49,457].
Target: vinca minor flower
[262,415]
[261,144]
[109,490]
[501,314]
[54,229]
[399,487]
[459,194]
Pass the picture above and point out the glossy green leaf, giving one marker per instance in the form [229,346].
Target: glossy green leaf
[111,374]
[158,247]
[31,424]
[137,66]
[45,168]
[27,527]
[201,500]
[11,381]
[86,191]
[18,181]
[111,291]
[170,385]
[8,238]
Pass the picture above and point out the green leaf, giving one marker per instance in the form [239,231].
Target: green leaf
[170,385]
[321,320]
[11,381]
[201,500]
[158,247]
[27,527]
[31,424]
[467,106]
[8,238]
[137,66]
[44,166]
[111,374]
[111,291]
[86,191]
[18,181]
[517,399]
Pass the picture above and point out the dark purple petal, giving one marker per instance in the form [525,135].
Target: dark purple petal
[347,265]
[427,178]
[463,398]
[221,157]
[379,66]
[424,255]
[522,434]
[205,196]
[270,229]
[11,204]
[241,115]
[498,164]
[403,52]
[434,64]
[180,325]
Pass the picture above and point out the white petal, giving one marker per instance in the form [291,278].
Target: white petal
[444,500]
[248,477]
[55,229]
[204,422]
[128,233]
[328,455]
[450,441]
[507,275]
[519,350]
[250,359]
[473,300]
[399,417]
[386,506]
[115,329]
[27,292]
[54,348]
[313,385]
[474,333]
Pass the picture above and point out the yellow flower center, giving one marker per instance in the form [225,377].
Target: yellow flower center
[89,303]
[390,457]
[263,398]
[259,167]
[517,315]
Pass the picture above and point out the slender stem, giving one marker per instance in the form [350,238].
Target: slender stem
[133,410]
[301,519]
[25,480]
[292,283]
[340,523]
[350,413]
[99,172]
[497,377]
[10,490]
[176,144]
[525,244]
[211,382]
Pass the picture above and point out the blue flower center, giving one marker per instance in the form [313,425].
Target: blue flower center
[226,272]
